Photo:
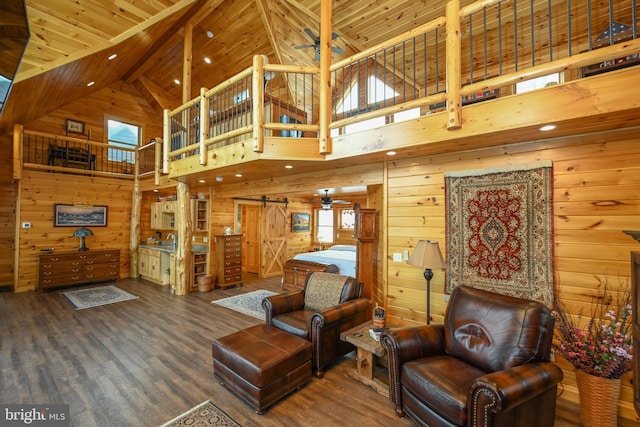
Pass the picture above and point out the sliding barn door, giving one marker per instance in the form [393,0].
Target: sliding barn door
[251,238]
[274,240]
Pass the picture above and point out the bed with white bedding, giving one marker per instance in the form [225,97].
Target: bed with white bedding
[344,256]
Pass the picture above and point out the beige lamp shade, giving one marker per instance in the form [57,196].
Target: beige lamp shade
[427,255]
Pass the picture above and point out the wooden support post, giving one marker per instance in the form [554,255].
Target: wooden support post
[324,137]
[166,140]
[257,83]
[159,145]
[136,204]
[454,73]
[183,248]
[186,62]
[203,127]
[17,151]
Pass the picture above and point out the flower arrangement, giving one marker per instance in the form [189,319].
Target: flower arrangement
[601,344]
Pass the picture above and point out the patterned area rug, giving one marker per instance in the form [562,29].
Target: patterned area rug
[249,303]
[205,414]
[499,230]
[94,297]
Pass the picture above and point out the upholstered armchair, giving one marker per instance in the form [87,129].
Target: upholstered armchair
[487,365]
[328,305]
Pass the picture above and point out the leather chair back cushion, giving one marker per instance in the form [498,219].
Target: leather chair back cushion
[495,332]
[324,290]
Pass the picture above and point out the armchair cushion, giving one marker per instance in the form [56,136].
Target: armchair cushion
[295,322]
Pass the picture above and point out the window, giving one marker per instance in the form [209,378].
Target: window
[379,91]
[402,116]
[122,135]
[350,101]
[537,83]
[376,122]
[324,229]
[347,219]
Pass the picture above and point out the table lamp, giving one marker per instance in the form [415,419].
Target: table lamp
[428,256]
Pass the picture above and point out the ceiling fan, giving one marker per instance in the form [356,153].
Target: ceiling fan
[316,44]
[326,201]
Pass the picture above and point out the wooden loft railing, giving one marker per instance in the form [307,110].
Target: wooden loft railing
[60,153]
[482,48]
[263,100]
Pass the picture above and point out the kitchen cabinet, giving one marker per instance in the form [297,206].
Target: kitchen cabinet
[163,215]
[149,264]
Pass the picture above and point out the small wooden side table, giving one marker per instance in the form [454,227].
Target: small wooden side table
[366,350]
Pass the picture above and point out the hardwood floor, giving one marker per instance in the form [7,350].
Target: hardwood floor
[145,361]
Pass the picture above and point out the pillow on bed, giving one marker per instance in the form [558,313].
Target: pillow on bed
[347,248]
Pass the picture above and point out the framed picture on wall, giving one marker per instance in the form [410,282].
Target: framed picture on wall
[300,221]
[74,126]
[79,216]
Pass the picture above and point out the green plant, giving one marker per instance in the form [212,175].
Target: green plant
[600,344]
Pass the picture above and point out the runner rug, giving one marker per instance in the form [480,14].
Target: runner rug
[94,297]
[499,230]
[249,303]
[205,414]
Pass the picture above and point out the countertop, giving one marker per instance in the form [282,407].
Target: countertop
[172,250]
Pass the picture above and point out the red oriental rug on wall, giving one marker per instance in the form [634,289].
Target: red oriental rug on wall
[499,230]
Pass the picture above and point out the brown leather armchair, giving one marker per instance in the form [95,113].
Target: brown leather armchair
[328,305]
[487,365]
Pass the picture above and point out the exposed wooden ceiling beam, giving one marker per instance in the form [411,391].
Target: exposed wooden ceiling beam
[154,94]
[265,14]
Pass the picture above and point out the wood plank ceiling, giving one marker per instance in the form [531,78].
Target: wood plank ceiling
[71,41]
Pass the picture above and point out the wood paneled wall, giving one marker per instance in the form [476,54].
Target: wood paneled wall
[40,191]
[596,181]
[118,101]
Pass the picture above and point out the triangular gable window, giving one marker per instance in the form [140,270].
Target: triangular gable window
[379,91]
[349,101]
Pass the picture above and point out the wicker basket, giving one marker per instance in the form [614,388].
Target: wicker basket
[598,400]
[204,283]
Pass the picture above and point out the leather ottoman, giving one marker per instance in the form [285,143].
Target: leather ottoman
[261,364]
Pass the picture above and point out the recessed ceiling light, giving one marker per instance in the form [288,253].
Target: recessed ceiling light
[112,56]
[288,167]
[201,181]
[176,81]
[155,190]
[207,60]
[90,84]
[209,34]
[239,175]
[391,153]
[547,128]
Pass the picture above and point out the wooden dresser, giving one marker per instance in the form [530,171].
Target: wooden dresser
[72,268]
[228,260]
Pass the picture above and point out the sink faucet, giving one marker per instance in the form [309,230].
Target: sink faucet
[173,237]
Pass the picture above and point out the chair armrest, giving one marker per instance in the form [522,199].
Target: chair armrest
[337,313]
[406,344]
[282,303]
[502,391]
